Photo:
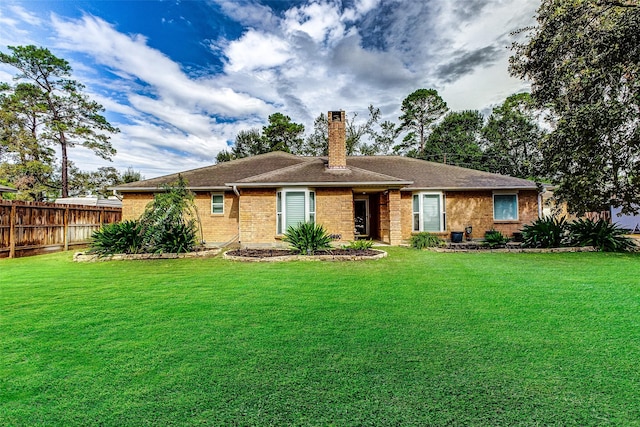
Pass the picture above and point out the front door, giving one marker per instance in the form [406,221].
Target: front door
[361,217]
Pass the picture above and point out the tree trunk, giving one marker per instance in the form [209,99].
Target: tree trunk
[65,166]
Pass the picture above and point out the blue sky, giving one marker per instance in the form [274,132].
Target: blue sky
[181,78]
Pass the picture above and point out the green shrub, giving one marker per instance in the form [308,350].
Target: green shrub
[360,245]
[117,238]
[168,224]
[548,232]
[425,240]
[307,237]
[494,238]
[600,234]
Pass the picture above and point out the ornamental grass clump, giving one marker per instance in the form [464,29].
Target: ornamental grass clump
[425,240]
[307,238]
[495,239]
[359,245]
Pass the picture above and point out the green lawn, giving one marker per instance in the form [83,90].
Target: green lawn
[418,338]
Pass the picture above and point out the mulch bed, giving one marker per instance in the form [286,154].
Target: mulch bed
[270,253]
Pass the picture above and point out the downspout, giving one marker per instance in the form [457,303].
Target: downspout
[539,205]
[237,193]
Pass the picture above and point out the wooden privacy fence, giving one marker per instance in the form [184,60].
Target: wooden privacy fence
[30,228]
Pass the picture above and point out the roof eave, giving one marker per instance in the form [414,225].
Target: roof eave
[396,184]
[507,188]
[156,189]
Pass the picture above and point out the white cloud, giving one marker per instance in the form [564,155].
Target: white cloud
[130,55]
[241,53]
[25,16]
[320,21]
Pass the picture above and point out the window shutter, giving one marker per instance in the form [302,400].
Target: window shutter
[294,208]
[431,212]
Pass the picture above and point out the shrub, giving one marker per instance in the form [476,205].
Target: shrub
[169,222]
[494,238]
[425,240]
[600,234]
[360,245]
[117,238]
[173,237]
[548,232]
[307,237]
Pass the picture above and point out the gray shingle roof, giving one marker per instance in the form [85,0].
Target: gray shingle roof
[279,169]
[215,177]
[315,172]
[430,175]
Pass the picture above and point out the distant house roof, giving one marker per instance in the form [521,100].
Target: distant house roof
[5,189]
[90,201]
[281,169]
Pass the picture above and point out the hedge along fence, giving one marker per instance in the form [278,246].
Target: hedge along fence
[31,228]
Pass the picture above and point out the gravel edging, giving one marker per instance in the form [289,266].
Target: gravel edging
[84,257]
[379,255]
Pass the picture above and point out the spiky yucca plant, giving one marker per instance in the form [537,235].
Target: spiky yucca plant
[307,238]
[601,235]
[547,232]
[118,238]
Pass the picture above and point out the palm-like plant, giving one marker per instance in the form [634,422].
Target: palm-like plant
[601,235]
[307,237]
[548,232]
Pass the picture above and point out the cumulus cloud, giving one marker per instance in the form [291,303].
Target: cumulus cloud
[241,53]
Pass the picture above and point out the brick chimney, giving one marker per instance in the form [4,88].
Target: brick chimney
[337,140]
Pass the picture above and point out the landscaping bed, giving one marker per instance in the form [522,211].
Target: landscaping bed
[89,257]
[290,255]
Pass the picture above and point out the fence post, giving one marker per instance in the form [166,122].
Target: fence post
[12,232]
[66,229]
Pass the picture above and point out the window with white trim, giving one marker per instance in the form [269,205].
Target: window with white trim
[294,206]
[429,212]
[505,206]
[217,203]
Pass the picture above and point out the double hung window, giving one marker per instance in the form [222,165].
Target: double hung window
[217,203]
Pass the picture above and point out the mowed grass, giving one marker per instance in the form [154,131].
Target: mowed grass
[418,338]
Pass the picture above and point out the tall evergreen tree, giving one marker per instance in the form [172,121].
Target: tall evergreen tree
[281,134]
[420,111]
[70,118]
[456,140]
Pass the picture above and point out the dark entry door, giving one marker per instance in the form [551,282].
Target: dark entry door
[361,217]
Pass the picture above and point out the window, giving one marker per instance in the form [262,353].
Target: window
[428,212]
[294,206]
[505,207]
[217,203]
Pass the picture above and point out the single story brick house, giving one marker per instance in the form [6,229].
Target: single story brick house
[386,198]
